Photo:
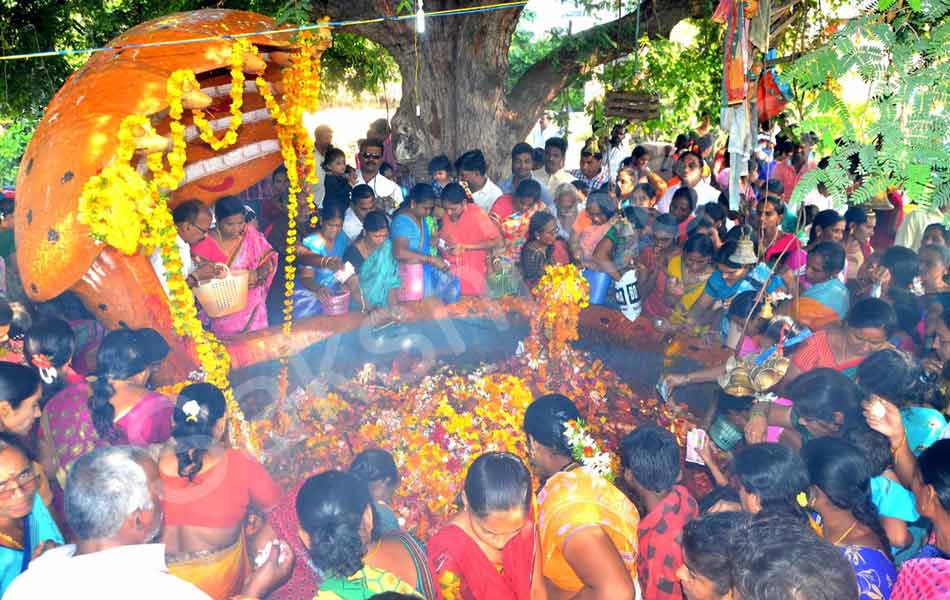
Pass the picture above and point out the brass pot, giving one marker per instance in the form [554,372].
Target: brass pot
[780,364]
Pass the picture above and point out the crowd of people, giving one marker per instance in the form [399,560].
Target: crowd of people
[834,485]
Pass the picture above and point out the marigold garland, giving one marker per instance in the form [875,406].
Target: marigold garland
[561,293]
[123,209]
[301,83]
[239,49]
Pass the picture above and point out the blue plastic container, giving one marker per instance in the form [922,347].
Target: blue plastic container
[600,285]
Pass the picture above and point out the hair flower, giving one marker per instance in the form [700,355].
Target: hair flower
[802,499]
[191,410]
[42,361]
[585,451]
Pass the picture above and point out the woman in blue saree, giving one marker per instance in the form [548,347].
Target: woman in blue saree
[840,494]
[320,255]
[412,244]
[377,272]
[26,527]
[728,281]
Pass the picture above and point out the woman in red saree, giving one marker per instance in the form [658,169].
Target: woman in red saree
[488,550]
[241,247]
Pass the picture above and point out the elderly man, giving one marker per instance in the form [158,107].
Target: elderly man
[192,221]
[322,141]
[113,506]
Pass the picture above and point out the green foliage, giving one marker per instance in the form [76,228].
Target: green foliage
[13,141]
[40,25]
[901,135]
[357,64]
[527,49]
[686,79]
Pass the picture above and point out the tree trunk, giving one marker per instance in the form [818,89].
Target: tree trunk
[456,72]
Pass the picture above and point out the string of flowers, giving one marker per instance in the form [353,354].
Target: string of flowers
[239,49]
[301,81]
[585,452]
[124,210]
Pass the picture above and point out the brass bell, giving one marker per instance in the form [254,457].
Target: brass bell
[739,383]
[767,309]
[765,378]
[878,202]
[745,251]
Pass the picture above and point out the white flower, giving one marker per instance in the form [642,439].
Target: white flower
[191,409]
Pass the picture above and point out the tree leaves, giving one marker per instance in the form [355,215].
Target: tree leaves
[901,135]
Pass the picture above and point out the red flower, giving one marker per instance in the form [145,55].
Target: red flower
[588,451]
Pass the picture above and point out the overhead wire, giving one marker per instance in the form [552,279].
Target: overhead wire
[300,28]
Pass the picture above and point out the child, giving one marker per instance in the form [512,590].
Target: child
[377,469]
[336,184]
[440,170]
[708,552]
[651,467]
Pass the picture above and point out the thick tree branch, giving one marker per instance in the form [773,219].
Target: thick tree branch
[580,53]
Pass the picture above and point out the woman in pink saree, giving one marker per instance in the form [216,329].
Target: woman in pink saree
[241,247]
[116,408]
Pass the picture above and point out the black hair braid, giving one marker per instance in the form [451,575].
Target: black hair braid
[102,411]
[866,513]
[190,453]
[192,439]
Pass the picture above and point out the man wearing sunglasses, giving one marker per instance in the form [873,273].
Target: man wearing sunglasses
[371,155]
[192,221]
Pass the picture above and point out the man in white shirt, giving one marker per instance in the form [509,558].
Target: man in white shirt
[619,149]
[371,155]
[911,231]
[691,176]
[472,170]
[362,201]
[544,130]
[522,162]
[114,508]
[553,173]
[192,222]
[322,141]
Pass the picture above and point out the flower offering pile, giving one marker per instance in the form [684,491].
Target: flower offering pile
[437,426]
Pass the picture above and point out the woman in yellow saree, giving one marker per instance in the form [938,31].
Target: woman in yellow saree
[686,276]
[587,527]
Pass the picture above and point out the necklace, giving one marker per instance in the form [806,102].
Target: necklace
[845,534]
[11,541]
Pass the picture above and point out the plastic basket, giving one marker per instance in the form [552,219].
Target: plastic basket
[725,434]
[337,304]
[413,281]
[223,297]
